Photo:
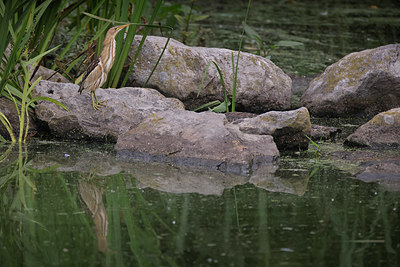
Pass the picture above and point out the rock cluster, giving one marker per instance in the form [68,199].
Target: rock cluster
[155,124]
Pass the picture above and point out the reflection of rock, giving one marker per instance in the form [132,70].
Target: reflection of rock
[71,157]
[175,180]
[93,198]
[266,179]
[362,83]
[385,173]
[261,85]
[163,177]
[380,166]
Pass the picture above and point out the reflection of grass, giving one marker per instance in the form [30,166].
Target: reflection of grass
[139,222]
[39,218]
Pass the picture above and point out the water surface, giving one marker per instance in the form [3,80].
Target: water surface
[75,204]
[328,29]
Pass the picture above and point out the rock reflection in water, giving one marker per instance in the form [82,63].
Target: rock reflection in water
[264,178]
[168,178]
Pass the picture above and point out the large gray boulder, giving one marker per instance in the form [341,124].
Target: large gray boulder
[261,85]
[383,130]
[126,108]
[289,128]
[203,140]
[361,84]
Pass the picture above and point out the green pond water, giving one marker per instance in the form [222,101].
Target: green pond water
[67,204]
[77,204]
[328,29]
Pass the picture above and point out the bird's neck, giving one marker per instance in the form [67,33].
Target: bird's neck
[107,55]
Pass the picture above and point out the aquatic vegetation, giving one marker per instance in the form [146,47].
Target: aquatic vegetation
[262,48]
[185,21]
[26,101]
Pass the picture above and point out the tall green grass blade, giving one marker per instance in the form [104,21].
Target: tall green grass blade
[221,76]
[152,18]
[2,8]
[38,57]
[14,101]
[78,32]
[21,38]
[122,51]
[234,78]
[203,78]
[6,18]
[8,127]
[13,91]
[159,58]
[3,157]
[237,60]
[312,141]
[45,98]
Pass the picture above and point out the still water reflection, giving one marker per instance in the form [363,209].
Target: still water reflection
[65,204]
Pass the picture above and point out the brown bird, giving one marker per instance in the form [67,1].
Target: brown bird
[96,74]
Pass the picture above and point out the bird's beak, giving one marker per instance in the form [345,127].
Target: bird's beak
[122,26]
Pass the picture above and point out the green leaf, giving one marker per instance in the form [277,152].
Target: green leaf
[58,103]
[38,57]
[313,172]
[180,19]
[208,105]
[203,78]
[252,33]
[200,18]
[289,43]
[221,77]
[312,142]
[221,107]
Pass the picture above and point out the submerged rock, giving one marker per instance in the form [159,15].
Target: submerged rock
[386,173]
[261,85]
[363,84]
[203,140]
[383,130]
[320,132]
[289,128]
[126,108]
[370,165]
